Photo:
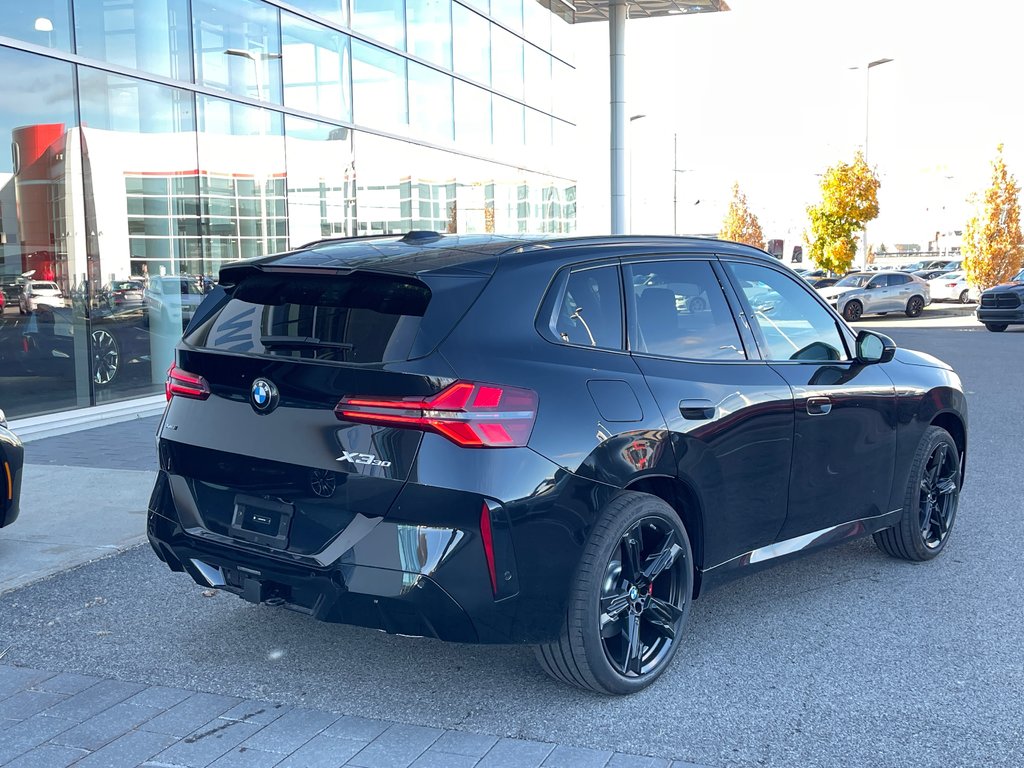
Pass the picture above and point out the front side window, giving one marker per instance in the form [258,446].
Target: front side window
[787,320]
[678,310]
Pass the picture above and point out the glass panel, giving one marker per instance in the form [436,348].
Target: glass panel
[321,180]
[508,124]
[241,159]
[789,323]
[538,134]
[471,34]
[316,62]
[430,103]
[484,6]
[537,24]
[41,22]
[562,40]
[332,10]
[472,116]
[430,31]
[379,88]
[142,146]
[506,62]
[42,242]
[150,35]
[590,313]
[509,13]
[383,20]
[679,310]
[563,80]
[538,78]
[238,47]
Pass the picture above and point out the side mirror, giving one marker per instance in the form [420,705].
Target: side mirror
[874,348]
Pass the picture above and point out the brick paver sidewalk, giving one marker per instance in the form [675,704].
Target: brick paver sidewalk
[49,720]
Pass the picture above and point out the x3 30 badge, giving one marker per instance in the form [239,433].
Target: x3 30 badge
[362,458]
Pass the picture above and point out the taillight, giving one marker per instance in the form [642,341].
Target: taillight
[469,414]
[185,384]
[951,285]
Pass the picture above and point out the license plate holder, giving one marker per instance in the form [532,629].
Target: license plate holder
[262,521]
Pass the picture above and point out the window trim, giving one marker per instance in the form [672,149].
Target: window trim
[845,333]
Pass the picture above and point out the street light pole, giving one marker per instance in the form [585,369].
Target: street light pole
[867,129]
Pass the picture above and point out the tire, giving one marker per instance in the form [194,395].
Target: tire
[930,502]
[853,310]
[964,297]
[106,357]
[997,327]
[611,615]
[915,306]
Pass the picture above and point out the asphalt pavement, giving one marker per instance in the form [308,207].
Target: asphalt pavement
[846,657]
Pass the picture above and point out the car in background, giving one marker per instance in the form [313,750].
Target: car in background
[3,302]
[118,339]
[877,293]
[123,293]
[953,286]
[929,274]
[399,433]
[168,295]
[929,264]
[12,459]
[810,273]
[1003,305]
[40,293]
[821,282]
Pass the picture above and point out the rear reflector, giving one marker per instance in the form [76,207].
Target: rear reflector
[185,384]
[488,541]
[467,413]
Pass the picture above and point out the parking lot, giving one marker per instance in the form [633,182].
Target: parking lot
[846,657]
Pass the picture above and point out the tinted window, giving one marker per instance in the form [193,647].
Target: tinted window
[899,279]
[350,320]
[589,312]
[789,323]
[679,310]
[878,282]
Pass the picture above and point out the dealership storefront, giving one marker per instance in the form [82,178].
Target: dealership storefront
[154,140]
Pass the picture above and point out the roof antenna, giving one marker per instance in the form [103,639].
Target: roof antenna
[420,236]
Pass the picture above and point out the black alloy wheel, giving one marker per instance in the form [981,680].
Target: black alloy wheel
[930,504]
[997,327]
[106,357]
[965,296]
[630,602]
[915,306]
[853,310]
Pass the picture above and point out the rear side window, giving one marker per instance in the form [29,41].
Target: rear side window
[355,319]
[899,279]
[679,310]
[587,308]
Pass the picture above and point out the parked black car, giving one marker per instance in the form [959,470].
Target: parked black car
[12,459]
[543,441]
[1003,306]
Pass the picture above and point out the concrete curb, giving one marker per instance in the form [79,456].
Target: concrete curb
[66,422]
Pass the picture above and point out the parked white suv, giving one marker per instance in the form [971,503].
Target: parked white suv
[38,293]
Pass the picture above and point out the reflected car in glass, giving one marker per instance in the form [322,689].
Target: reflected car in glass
[40,293]
[538,440]
[877,293]
[12,459]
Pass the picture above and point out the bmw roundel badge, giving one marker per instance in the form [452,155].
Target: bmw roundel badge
[263,396]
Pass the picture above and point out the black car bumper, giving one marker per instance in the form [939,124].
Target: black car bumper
[378,573]
[1008,316]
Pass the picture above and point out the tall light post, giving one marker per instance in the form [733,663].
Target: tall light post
[632,119]
[867,129]
[675,183]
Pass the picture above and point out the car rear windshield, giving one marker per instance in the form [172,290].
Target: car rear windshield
[357,319]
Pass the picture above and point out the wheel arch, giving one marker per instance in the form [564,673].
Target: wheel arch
[685,501]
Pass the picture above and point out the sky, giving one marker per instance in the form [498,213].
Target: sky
[764,95]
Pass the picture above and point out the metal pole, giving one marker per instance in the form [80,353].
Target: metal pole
[617,12]
[675,184]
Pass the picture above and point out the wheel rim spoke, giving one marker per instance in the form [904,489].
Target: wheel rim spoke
[612,608]
[657,563]
[631,545]
[634,650]
[664,616]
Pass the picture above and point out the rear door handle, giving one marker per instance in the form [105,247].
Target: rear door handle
[818,406]
[697,409]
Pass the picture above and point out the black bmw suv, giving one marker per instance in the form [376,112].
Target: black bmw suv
[560,442]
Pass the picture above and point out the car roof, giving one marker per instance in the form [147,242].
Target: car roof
[430,252]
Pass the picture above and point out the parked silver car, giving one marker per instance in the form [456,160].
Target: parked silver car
[878,293]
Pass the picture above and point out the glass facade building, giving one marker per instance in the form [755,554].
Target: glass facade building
[151,141]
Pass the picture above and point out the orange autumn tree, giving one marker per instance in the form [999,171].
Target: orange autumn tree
[740,224]
[993,247]
[849,200]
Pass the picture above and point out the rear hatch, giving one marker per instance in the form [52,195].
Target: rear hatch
[251,430]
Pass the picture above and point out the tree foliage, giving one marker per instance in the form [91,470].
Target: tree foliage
[993,247]
[740,224]
[849,200]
